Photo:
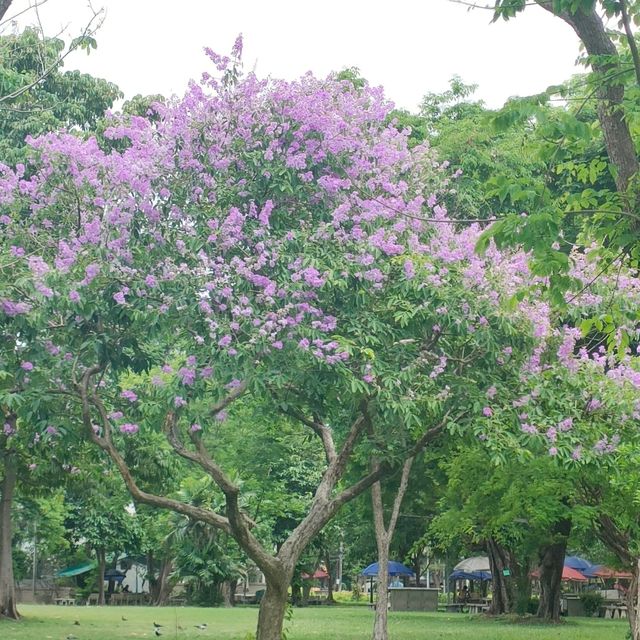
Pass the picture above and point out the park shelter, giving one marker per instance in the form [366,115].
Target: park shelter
[76,570]
[395,569]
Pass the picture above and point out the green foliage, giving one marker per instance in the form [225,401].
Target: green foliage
[591,601]
[47,98]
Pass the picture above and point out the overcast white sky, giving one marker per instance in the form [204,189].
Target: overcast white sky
[408,46]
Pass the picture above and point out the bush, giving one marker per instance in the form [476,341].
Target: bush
[532,606]
[591,602]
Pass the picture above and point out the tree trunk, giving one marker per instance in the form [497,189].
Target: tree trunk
[551,565]
[162,587]
[605,62]
[501,585]
[296,593]
[100,555]
[8,608]
[227,589]
[384,534]
[272,608]
[632,603]
[522,582]
[417,569]
[327,562]
[380,631]
[306,592]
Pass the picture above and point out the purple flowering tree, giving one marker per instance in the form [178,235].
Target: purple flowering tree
[257,243]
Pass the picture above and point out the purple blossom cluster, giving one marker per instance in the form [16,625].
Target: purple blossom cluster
[236,221]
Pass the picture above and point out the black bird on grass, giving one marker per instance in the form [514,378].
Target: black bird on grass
[157,626]
[157,631]
[202,626]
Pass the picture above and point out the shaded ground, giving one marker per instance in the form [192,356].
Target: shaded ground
[314,623]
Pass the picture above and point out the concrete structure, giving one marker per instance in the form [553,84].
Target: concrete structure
[413,599]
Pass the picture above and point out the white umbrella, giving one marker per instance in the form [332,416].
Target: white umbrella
[470,565]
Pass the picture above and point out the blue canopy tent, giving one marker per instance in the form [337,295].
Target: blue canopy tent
[113,575]
[395,569]
[577,563]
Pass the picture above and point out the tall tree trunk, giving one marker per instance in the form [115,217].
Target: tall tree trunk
[8,608]
[605,63]
[100,555]
[501,585]
[384,534]
[551,565]
[380,630]
[273,607]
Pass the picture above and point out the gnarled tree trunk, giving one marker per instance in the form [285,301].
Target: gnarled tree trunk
[8,608]
[551,566]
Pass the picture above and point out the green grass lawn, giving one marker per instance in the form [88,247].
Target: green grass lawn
[313,623]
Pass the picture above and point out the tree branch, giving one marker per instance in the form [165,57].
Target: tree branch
[402,488]
[626,22]
[235,393]
[239,523]
[321,430]
[89,400]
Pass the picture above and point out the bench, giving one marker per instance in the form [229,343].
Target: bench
[65,602]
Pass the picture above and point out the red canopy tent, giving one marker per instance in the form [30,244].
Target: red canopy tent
[608,572]
[568,575]
[318,574]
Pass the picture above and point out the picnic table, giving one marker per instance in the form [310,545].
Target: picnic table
[455,607]
[613,611]
[65,602]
